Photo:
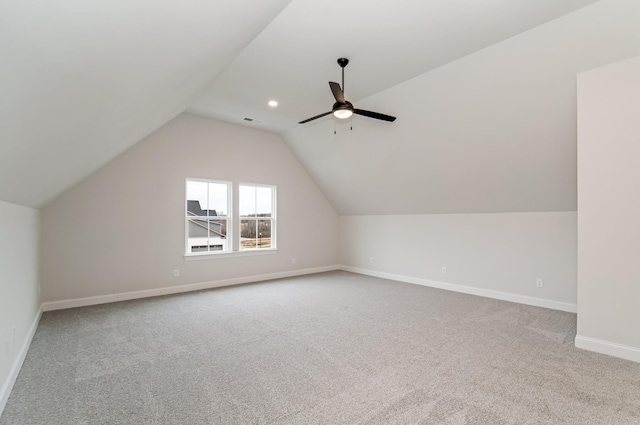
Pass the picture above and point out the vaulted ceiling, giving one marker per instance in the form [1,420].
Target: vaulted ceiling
[387,43]
[484,91]
[83,80]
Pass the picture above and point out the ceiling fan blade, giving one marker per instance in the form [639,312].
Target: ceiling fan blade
[337,92]
[375,115]
[315,118]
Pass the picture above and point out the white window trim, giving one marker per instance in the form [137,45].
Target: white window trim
[233,224]
[222,254]
[228,218]
[273,218]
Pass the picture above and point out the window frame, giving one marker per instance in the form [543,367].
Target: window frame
[273,218]
[233,222]
[228,218]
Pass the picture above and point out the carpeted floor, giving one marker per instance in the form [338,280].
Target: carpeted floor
[331,348]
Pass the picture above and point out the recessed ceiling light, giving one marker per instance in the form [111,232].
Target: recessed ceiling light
[273,103]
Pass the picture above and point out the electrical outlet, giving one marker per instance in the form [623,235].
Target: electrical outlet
[293,260]
[444,270]
[176,272]
[540,283]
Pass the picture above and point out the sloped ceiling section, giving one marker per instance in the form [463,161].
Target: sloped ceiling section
[490,131]
[388,42]
[83,80]
[494,131]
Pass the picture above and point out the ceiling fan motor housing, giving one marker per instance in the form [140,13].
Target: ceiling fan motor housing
[338,106]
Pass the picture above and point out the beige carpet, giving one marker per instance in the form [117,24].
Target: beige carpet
[331,348]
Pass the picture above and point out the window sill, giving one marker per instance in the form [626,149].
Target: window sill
[246,253]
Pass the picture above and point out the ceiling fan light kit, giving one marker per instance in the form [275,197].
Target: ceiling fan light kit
[342,113]
[344,109]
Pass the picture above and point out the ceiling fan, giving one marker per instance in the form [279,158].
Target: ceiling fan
[343,109]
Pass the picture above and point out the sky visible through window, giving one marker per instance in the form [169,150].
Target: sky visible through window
[255,200]
[213,196]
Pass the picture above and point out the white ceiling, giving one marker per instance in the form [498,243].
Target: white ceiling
[484,92]
[388,42]
[494,131]
[83,80]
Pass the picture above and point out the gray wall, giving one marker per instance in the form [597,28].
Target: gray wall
[503,252]
[609,210]
[122,229]
[19,300]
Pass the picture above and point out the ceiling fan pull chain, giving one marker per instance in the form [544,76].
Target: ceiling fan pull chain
[334,127]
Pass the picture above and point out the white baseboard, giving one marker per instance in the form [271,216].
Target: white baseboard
[488,293]
[103,299]
[610,348]
[7,386]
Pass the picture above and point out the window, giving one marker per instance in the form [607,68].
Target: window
[257,217]
[224,218]
[207,216]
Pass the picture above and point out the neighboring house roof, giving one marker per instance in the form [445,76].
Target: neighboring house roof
[195,208]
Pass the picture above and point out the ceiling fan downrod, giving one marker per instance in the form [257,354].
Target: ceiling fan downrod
[343,62]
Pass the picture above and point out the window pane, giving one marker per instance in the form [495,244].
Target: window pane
[217,235]
[206,199]
[218,199]
[248,234]
[264,233]
[263,202]
[207,235]
[247,201]
[198,240]
[197,198]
